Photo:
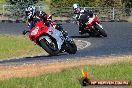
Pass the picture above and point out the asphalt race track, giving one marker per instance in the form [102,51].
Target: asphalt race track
[119,41]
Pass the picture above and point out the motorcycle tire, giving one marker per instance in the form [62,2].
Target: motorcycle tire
[84,81]
[71,47]
[100,30]
[50,47]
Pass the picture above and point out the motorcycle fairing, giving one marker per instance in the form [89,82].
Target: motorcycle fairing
[91,21]
[57,35]
[41,29]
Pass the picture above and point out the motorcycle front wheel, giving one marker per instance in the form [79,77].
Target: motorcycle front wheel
[49,45]
[100,30]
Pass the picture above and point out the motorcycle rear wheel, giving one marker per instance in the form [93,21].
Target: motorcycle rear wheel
[50,47]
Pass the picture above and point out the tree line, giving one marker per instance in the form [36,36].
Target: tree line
[93,3]
[83,3]
[21,4]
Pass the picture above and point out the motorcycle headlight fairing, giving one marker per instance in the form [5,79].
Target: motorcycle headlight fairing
[35,31]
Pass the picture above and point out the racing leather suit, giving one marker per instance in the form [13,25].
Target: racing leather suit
[83,18]
[36,17]
[47,20]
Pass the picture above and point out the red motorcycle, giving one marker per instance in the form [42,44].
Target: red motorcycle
[94,27]
[51,40]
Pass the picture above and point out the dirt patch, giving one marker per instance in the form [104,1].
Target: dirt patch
[28,70]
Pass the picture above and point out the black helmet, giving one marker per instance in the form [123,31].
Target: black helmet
[30,10]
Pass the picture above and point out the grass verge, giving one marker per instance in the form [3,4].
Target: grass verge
[68,78]
[17,45]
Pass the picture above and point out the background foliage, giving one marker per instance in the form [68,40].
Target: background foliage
[58,7]
[20,5]
[93,3]
[68,3]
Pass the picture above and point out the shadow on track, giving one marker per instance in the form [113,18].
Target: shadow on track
[31,59]
[86,36]
[81,36]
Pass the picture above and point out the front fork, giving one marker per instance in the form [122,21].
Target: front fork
[96,28]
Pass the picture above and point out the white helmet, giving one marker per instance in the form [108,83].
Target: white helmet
[76,8]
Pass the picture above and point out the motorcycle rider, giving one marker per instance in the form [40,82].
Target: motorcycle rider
[35,15]
[82,16]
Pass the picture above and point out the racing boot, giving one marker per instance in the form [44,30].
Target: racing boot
[59,27]
[65,34]
[81,31]
[81,28]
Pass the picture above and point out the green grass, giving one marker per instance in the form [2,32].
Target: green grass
[2,1]
[16,46]
[68,78]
